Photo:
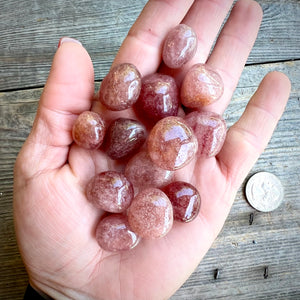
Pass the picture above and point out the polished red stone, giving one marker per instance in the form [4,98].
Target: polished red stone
[150,214]
[88,130]
[114,234]
[180,46]
[143,173]
[110,191]
[201,86]
[210,131]
[159,97]
[185,200]
[124,137]
[121,87]
[172,143]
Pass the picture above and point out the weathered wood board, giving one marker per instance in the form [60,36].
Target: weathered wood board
[29,34]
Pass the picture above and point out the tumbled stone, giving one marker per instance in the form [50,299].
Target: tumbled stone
[142,172]
[172,143]
[110,191]
[201,86]
[210,131]
[185,200]
[124,137]
[114,234]
[121,87]
[159,97]
[180,46]
[88,130]
[150,214]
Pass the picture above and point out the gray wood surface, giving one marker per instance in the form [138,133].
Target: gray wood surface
[29,34]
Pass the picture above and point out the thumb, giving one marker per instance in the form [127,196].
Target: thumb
[69,90]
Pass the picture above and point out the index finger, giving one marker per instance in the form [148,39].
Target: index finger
[143,44]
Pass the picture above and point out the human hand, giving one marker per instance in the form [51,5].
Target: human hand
[55,224]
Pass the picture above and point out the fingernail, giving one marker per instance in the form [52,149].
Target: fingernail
[67,39]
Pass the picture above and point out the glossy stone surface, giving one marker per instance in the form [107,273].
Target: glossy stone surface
[159,97]
[121,87]
[180,46]
[114,234]
[124,137]
[185,200]
[88,130]
[110,191]
[201,86]
[210,131]
[150,214]
[172,143]
[143,173]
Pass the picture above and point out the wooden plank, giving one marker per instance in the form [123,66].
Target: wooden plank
[240,261]
[30,31]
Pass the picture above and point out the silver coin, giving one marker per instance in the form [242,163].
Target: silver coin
[264,191]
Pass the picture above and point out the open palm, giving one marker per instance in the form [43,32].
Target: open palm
[55,224]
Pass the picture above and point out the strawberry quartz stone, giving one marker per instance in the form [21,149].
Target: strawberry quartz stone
[210,130]
[114,234]
[172,143]
[88,130]
[124,137]
[121,87]
[201,86]
[150,214]
[180,46]
[110,191]
[143,173]
[185,200]
[159,97]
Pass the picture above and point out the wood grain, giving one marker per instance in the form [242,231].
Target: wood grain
[29,34]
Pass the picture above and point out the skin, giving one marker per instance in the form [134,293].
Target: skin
[55,224]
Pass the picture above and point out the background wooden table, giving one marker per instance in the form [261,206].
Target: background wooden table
[30,31]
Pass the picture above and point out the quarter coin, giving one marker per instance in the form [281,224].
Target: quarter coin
[264,191]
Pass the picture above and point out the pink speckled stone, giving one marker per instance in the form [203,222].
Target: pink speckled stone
[159,97]
[114,234]
[180,46]
[150,214]
[88,130]
[210,130]
[185,200]
[110,191]
[124,137]
[201,86]
[143,173]
[121,87]
[172,143]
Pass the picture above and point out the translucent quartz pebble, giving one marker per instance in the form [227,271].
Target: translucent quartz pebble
[150,214]
[172,143]
[210,131]
[201,86]
[114,234]
[180,46]
[142,172]
[110,191]
[159,97]
[185,200]
[121,87]
[124,137]
[88,130]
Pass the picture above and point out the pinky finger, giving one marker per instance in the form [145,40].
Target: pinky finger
[249,136]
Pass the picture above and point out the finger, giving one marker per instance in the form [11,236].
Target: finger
[233,47]
[143,44]
[248,137]
[68,91]
[206,18]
